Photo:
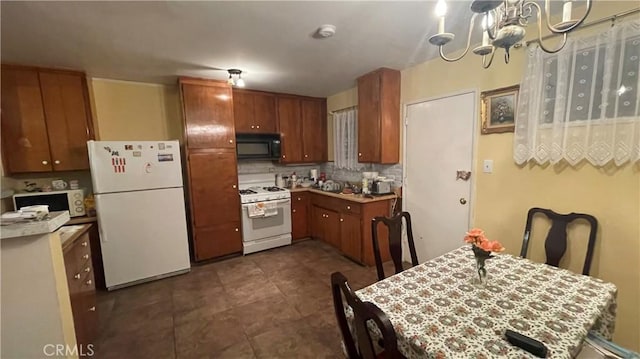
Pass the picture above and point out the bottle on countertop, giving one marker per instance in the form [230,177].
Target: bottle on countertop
[294,178]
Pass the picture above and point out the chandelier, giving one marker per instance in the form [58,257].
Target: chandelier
[239,82]
[503,26]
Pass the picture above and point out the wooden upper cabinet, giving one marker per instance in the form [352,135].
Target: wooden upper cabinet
[46,120]
[290,129]
[208,113]
[65,103]
[254,111]
[314,130]
[379,116]
[303,126]
[25,141]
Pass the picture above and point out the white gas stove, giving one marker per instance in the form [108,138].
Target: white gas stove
[266,213]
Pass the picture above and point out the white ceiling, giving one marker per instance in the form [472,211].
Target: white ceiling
[270,41]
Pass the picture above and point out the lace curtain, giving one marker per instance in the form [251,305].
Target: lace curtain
[583,102]
[345,140]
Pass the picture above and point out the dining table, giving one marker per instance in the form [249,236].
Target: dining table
[440,309]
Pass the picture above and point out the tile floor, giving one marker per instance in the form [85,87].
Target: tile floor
[272,304]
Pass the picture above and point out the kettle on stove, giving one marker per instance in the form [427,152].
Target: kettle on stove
[279,181]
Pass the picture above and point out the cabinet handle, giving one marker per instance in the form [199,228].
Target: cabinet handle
[234,186]
[299,199]
[305,156]
[87,270]
[230,141]
[88,282]
[86,256]
[284,156]
[258,126]
[253,126]
[45,162]
[56,162]
[348,207]
[237,229]
[84,244]
[92,309]
[293,210]
[77,276]
[341,219]
[359,154]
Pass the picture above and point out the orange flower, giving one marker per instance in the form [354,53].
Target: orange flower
[491,246]
[474,236]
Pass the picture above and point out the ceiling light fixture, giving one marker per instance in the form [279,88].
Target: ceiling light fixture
[503,25]
[239,82]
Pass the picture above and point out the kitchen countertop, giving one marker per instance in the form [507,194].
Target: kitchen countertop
[68,234]
[82,220]
[349,197]
[28,228]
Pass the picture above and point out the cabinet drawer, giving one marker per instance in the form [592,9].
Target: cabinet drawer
[336,204]
[299,200]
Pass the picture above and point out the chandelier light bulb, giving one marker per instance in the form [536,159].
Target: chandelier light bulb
[487,21]
[230,81]
[441,8]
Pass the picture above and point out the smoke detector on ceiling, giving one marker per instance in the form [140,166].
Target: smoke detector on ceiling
[325,31]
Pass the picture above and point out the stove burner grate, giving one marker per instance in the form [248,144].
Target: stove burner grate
[272,189]
[247,191]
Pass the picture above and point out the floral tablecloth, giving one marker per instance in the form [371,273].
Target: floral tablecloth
[438,311]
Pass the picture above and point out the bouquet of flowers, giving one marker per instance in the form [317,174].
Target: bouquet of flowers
[482,248]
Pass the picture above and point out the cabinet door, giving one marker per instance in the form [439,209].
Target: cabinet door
[368,118]
[243,109]
[290,129]
[314,130]
[24,133]
[299,216]
[212,242]
[208,115]
[331,226]
[67,116]
[265,115]
[317,223]
[350,237]
[214,187]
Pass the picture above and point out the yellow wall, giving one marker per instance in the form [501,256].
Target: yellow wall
[503,197]
[126,110]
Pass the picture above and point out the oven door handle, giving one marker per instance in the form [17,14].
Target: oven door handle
[278,202]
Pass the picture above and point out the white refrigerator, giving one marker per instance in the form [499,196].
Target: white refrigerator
[141,210]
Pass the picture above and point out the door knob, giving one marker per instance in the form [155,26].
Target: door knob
[463,200]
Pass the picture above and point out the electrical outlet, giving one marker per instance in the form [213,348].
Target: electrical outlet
[487,166]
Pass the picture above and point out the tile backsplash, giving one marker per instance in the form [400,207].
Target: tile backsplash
[389,171]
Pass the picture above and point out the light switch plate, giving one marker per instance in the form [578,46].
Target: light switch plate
[487,166]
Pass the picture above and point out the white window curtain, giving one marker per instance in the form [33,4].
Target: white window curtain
[583,102]
[345,140]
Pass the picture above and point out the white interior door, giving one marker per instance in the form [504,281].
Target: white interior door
[438,143]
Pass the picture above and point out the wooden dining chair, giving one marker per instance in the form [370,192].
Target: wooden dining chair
[363,312]
[394,224]
[556,242]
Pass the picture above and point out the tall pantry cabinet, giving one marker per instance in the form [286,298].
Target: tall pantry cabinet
[212,173]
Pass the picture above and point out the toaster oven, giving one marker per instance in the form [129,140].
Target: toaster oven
[69,200]
[381,187]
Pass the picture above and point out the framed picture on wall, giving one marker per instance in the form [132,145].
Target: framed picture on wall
[498,109]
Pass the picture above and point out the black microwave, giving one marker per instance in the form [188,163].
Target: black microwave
[258,146]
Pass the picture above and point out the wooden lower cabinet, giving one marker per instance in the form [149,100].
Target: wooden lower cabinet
[350,236]
[212,242]
[346,225]
[215,203]
[82,292]
[300,227]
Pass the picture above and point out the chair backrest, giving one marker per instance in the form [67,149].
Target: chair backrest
[362,313]
[394,224]
[556,242]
